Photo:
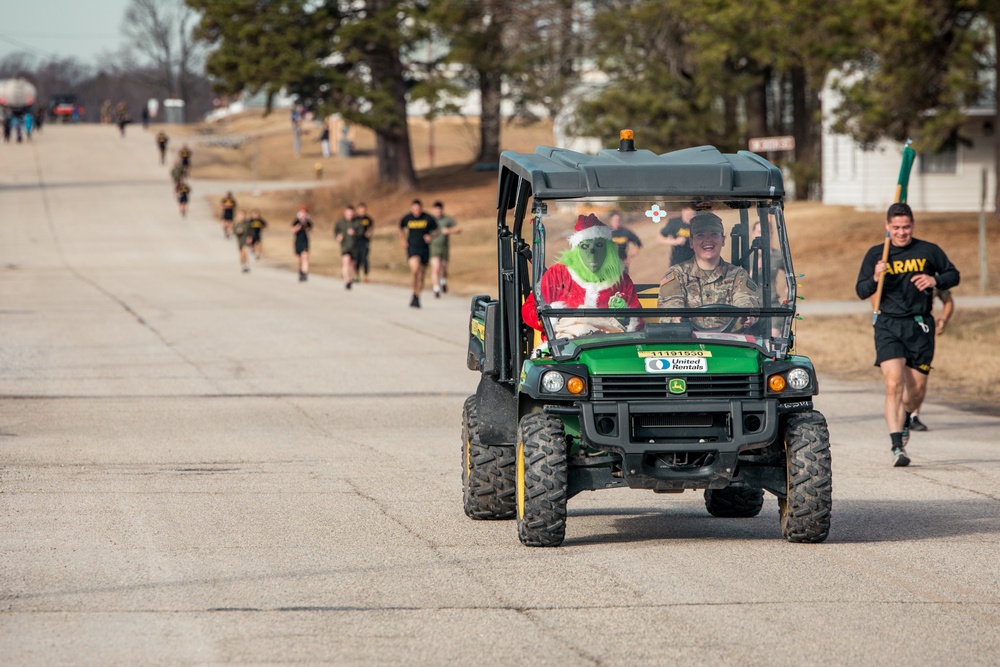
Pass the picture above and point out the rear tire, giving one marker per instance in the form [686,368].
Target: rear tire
[734,502]
[805,510]
[488,474]
[542,481]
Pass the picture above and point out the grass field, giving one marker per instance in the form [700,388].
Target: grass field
[827,242]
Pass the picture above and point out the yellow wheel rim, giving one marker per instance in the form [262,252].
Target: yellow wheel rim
[468,461]
[520,480]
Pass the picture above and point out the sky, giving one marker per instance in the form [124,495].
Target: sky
[62,28]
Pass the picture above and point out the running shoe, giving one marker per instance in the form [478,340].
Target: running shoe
[916,424]
[899,458]
[347,285]
[437,294]
[414,302]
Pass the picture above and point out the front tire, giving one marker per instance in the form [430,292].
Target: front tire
[740,502]
[542,481]
[488,474]
[805,510]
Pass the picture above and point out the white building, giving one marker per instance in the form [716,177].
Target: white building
[950,180]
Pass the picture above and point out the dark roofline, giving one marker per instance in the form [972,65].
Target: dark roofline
[557,173]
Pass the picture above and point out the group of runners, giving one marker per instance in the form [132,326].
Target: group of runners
[247,229]
[425,239]
[423,236]
[179,173]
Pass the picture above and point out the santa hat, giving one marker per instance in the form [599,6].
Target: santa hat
[588,227]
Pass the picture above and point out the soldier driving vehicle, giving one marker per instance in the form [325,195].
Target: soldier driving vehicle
[593,377]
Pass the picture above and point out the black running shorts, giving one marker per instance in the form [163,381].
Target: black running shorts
[904,338]
[423,253]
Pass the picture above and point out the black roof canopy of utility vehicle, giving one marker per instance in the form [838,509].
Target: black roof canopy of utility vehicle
[558,173]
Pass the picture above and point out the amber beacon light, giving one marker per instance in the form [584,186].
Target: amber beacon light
[626,140]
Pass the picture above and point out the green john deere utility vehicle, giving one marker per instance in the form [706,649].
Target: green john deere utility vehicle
[672,369]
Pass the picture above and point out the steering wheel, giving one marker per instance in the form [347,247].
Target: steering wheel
[716,323]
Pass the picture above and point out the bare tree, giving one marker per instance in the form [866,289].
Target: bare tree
[162,33]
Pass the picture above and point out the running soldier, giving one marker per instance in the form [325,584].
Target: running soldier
[228,208]
[440,249]
[177,172]
[706,279]
[257,225]
[347,231]
[364,241]
[624,238]
[241,230]
[301,227]
[161,142]
[416,230]
[183,191]
[904,327]
[947,312]
[185,155]
[677,234]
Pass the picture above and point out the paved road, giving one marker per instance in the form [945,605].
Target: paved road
[203,467]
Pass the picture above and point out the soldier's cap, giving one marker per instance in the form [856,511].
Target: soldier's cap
[706,221]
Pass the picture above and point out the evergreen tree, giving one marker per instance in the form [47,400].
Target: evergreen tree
[345,57]
[923,63]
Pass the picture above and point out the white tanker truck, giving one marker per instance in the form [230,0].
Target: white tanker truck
[17,96]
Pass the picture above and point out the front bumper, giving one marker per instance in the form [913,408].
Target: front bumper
[677,444]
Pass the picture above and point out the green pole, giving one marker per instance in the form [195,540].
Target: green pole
[982,235]
[901,186]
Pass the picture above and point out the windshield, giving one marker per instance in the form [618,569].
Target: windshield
[607,272]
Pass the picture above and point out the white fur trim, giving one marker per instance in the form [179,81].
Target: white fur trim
[594,232]
[590,290]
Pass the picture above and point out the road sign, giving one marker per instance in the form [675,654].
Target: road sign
[771,144]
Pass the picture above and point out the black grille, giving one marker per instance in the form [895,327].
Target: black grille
[638,387]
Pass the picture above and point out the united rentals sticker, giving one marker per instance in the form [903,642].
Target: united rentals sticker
[677,365]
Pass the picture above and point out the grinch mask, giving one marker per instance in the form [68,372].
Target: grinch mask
[592,262]
[593,253]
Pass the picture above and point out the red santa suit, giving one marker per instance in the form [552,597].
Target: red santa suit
[561,287]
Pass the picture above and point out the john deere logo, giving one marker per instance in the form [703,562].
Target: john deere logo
[677,386]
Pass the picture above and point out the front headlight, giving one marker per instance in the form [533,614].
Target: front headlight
[553,382]
[798,379]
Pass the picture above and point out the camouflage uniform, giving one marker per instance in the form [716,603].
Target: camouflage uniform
[688,286]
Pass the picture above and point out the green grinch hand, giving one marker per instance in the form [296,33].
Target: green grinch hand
[617,301]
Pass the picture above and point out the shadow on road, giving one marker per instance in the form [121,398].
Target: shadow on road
[854,521]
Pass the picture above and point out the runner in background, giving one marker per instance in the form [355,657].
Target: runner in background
[257,225]
[301,226]
[364,243]
[183,191]
[939,326]
[228,208]
[441,249]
